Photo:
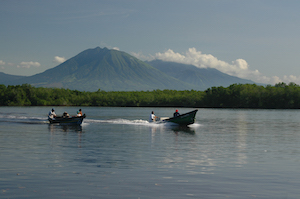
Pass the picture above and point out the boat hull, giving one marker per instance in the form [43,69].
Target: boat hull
[184,119]
[67,120]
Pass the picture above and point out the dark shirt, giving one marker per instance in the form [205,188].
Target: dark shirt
[176,114]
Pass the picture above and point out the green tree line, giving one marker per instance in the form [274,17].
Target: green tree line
[280,96]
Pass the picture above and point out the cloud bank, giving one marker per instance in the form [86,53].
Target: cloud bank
[29,64]
[239,67]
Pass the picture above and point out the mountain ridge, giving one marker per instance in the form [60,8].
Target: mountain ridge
[113,70]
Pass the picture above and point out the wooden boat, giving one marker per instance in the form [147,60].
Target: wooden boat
[183,120]
[67,120]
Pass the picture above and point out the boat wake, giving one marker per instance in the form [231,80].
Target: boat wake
[43,120]
[23,119]
[119,121]
[138,122]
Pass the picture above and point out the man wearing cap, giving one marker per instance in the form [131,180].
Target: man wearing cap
[176,114]
[52,114]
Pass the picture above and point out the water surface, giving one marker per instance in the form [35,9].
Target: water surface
[116,153]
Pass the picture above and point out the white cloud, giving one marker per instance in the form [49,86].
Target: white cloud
[116,48]
[140,56]
[29,64]
[239,67]
[59,60]
[196,58]
[291,78]
[2,62]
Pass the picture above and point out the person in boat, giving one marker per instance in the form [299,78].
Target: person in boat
[176,114]
[52,114]
[152,117]
[78,114]
[66,115]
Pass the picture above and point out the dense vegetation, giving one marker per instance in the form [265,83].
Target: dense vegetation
[281,96]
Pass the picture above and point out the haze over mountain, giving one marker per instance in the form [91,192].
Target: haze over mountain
[112,70]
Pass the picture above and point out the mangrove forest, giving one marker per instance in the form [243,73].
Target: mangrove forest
[280,96]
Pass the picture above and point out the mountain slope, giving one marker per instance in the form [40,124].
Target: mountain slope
[5,78]
[105,69]
[202,78]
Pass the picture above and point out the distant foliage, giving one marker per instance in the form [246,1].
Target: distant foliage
[280,96]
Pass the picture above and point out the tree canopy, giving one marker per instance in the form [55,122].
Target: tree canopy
[280,96]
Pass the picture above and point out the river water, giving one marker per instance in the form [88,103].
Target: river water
[116,153]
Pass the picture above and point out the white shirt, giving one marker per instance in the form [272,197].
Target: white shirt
[152,117]
[51,114]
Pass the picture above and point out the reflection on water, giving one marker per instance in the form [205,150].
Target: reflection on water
[183,129]
[242,130]
[65,128]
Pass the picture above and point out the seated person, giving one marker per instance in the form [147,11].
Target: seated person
[78,114]
[176,114]
[66,115]
[52,114]
[152,117]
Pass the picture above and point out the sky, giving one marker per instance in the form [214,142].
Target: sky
[251,39]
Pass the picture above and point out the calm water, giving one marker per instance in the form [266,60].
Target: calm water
[116,153]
